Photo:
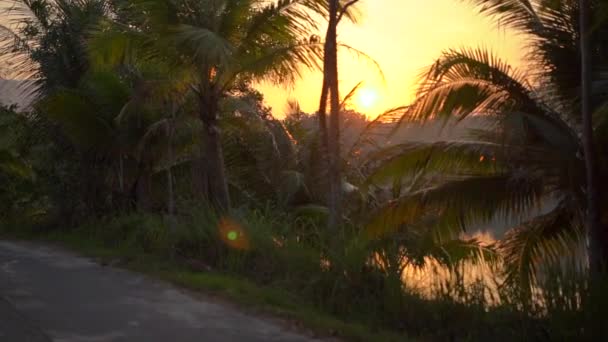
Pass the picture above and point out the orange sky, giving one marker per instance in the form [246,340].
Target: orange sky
[403,36]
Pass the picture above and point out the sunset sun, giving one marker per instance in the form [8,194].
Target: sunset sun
[367,98]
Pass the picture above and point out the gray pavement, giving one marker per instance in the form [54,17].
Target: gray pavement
[72,299]
[16,327]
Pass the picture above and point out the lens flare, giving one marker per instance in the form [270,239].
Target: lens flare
[233,234]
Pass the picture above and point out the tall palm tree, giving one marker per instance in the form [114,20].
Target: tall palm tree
[596,235]
[226,42]
[525,148]
[330,134]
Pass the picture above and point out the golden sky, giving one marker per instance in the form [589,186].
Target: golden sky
[403,36]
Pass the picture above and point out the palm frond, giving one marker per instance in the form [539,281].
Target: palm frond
[459,157]
[455,251]
[44,40]
[518,14]
[110,47]
[16,50]
[286,18]
[362,55]
[279,64]
[107,91]
[380,127]
[465,82]
[349,9]
[542,240]
[203,45]
[454,205]
[350,94]
[78,120]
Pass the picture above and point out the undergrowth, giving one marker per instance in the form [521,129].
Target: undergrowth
[289,265]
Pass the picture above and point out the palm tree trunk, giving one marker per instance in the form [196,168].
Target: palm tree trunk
[121,173]
[216,172]
[323,179]
[333,137]
[198,176]
[323,113]
[170,199]
[143,192]
[171,195]
[595,229]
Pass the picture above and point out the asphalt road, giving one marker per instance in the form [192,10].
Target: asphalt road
[47,291]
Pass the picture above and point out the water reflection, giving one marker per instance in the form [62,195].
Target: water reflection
[478,278]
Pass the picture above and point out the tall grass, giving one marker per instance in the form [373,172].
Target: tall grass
[340,275]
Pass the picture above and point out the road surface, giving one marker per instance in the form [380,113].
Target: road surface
[47,291]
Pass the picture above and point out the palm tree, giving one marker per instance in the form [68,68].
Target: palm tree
[598,258]
[330,135]
[524,150]
[225,43]
[159,129]
[85,117]
[44,40]
[261,155]
[114,119]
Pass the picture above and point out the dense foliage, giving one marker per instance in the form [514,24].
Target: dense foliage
[145,132]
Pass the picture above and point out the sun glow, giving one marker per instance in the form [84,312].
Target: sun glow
[401,39]
[367,98]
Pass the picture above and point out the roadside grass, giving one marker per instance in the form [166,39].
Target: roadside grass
[269,301]
[281,269]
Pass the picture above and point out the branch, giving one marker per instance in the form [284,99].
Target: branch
[348,4]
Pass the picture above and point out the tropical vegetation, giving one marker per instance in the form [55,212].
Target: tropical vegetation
[145,135]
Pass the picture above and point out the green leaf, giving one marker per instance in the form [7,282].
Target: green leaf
[12,165]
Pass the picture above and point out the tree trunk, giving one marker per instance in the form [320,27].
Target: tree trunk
[143,192]
[333,134]
[215,169]
[323,113]
[322,179]
[595,229]
[121,173]
[171,195]
[198,176]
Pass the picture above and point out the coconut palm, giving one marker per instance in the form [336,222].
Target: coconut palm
[525,150]
[598,259]
[330,133]
[260,153]
[158,131]
[225,43]
[43,41]
[128,124]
